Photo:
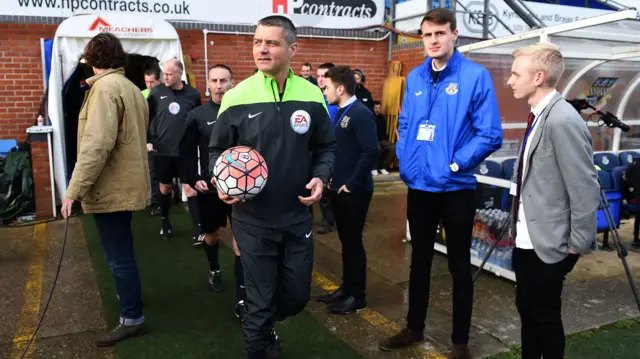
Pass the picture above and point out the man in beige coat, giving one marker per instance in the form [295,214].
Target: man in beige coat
[111,175]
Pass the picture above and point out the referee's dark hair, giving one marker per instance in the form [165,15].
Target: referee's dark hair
[342,75]
[283,22]
[222,66]
[153,71]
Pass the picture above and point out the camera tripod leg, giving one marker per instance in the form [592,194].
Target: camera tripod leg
[622,250]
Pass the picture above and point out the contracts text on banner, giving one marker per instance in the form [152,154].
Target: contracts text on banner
[336,14]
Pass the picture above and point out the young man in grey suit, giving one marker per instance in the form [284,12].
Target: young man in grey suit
[554,216]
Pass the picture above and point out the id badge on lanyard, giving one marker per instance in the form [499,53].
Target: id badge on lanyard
[427,132]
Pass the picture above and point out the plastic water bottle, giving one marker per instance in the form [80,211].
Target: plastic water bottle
[509,258]
[502,256]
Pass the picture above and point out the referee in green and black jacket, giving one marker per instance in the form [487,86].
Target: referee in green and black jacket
[283,117]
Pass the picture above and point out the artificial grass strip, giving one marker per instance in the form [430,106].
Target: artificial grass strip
[620,340]
[184,318]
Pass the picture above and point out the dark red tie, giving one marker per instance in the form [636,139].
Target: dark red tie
[520,167]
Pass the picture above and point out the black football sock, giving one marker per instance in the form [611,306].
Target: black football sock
[240,295]
[194,211]
[165,203]
[212,255]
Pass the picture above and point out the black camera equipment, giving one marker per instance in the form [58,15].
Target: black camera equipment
[607,118]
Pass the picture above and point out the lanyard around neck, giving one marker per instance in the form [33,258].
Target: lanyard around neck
[335,125]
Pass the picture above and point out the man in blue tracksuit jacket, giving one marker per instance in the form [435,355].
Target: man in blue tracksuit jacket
[449,123]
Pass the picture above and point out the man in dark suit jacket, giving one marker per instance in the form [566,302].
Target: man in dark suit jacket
[556,199]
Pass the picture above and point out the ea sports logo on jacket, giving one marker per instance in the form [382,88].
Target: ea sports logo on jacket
[300,121]
[339,8]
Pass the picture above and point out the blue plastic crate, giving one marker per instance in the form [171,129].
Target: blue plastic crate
[7,146]
[615,203]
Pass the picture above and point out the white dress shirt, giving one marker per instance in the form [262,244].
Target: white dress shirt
[523,240]
[351,100]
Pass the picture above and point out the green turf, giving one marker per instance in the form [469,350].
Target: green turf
[185,319]
[615,341]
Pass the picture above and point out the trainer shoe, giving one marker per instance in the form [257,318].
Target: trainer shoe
[119,333]
[273,350]
[405,338]
[240,310]
[165,233]
[198,241]
[384,172]
[215,281]
[155,210]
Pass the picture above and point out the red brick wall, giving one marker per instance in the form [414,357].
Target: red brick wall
[235,51]
[20,77]
[410,58]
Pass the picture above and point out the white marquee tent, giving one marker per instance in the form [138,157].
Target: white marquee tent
[146,36]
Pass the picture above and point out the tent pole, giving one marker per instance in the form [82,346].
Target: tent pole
[206,63]
[44,63]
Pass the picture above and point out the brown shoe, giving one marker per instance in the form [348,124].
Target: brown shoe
[119,333]
[405,338]
[460,351]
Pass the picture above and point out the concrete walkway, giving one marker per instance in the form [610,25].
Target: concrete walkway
[28,262]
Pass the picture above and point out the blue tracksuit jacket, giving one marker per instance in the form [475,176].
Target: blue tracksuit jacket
[463,106]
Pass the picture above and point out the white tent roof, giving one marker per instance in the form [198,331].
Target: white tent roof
[147,36]
[598,52]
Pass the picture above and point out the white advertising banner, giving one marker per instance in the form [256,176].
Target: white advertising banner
[335,14]
[470,25]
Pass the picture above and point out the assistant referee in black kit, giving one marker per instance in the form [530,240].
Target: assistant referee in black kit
[213,212]
[169,105]
[351,186]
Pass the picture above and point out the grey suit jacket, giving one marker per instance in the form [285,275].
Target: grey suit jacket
[560,189]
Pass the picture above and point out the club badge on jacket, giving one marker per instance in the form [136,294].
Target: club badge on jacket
[345,122]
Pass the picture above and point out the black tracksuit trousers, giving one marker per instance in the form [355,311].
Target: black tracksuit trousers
[277,265]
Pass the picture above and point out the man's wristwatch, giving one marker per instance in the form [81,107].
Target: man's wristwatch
[454,167]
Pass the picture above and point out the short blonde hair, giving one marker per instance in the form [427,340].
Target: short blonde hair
[545,57]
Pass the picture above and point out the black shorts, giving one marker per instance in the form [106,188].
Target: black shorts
[166,168]
[213,212]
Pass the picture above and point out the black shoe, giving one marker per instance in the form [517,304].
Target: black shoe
[326,229]
[460,351]
[240,310]
[349,305]
[215,281]
[336,296]
[197,241]
[119,333]
[404,339]
[273,350]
